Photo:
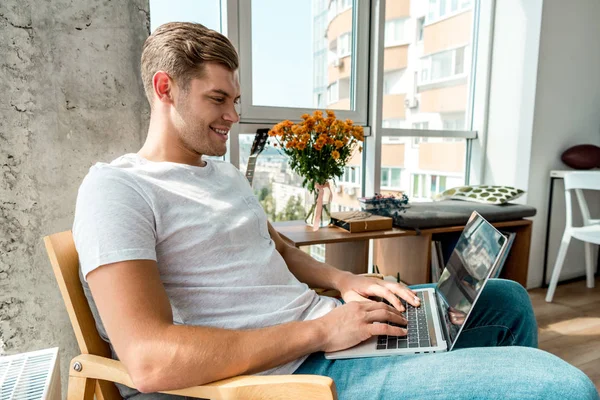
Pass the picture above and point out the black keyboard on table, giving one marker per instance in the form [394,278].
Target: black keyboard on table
[418,331]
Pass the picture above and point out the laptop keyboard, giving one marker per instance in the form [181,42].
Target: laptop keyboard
[418,331]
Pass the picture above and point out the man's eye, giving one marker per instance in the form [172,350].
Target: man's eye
[218,99]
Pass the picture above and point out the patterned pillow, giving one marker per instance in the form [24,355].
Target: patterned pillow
[482,194]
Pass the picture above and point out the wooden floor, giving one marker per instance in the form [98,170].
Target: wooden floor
[569,327]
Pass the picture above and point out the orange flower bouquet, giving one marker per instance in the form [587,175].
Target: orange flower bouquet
[319,149]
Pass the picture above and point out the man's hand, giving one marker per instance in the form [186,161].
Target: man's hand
[355,322]
[359,288]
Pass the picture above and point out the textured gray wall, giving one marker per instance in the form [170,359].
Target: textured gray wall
[70,96]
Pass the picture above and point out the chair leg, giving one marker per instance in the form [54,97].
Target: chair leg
[560,259]
[81,388]
[589,264]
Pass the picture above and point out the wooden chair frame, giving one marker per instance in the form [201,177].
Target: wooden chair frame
[94,372]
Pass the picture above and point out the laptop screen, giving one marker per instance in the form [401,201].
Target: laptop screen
[473,258]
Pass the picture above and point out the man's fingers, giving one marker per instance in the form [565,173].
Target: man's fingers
[385,329]
[407,294]
[385,293]
[386,315]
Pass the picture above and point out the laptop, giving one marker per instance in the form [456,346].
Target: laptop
[436,325]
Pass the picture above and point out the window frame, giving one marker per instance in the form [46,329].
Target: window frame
[475,119]
[251,113]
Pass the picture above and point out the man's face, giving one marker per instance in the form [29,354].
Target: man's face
[204,113]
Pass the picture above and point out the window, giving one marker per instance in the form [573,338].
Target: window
[420,24]
[426,186]
[425,86]
[390,177]
[206,12]
[392,82]
[351,175]
[453,6]
[453,122]
[438,184]
[394,32]
[344,4]
[459,61]
[288,85]
[333,93]
[344,45]
[392,123]
[442,10]
[439,9]
[431,14]
[317,251]
[418,140]
[443,65]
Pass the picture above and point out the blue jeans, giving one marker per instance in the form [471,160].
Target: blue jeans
[495,358]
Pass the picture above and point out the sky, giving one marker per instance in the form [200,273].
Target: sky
[282,40]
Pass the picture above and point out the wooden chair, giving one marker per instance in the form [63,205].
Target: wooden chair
[93,371]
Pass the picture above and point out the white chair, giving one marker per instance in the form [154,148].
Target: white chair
[588,233]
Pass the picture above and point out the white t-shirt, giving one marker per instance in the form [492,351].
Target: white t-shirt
[208,234]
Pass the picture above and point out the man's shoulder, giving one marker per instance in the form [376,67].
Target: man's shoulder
[118,173]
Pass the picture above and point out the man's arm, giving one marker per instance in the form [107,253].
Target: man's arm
[306,268]
[351,287]
[159,355]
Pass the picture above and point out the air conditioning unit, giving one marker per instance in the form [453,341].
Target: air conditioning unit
[34,375]
[338,63]
[337,189]
[349,191]
[411,102]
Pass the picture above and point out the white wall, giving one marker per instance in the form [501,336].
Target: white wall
[512,91]
[567,112]
[544,98]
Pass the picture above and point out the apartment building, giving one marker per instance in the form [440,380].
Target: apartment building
[426,83]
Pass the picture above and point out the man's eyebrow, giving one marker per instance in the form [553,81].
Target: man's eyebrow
[222,93]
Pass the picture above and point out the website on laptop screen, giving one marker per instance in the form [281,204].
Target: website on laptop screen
[470,263]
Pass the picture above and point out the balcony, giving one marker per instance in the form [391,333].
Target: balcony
[392,154]
[342,70]
[395,57]
[397,8]
[447,33]
[341,23]
[393,106]
[444,156]
[445,99]
[342,104]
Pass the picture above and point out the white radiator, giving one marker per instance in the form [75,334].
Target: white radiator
[29,376]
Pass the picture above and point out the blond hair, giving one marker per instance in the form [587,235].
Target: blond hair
[181,49]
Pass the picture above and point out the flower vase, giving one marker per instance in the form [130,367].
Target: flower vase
[325,209]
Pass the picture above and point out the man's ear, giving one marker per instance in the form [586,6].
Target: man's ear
[163,87]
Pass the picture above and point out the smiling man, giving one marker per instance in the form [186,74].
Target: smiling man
[189,283]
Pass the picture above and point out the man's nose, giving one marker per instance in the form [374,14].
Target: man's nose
[232,115]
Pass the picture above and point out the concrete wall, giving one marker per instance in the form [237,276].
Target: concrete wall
[71,96]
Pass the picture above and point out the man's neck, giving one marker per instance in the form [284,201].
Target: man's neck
[162,144]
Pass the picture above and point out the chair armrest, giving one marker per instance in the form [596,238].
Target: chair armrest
[287,387]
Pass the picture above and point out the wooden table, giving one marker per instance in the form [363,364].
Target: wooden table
[400,250]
